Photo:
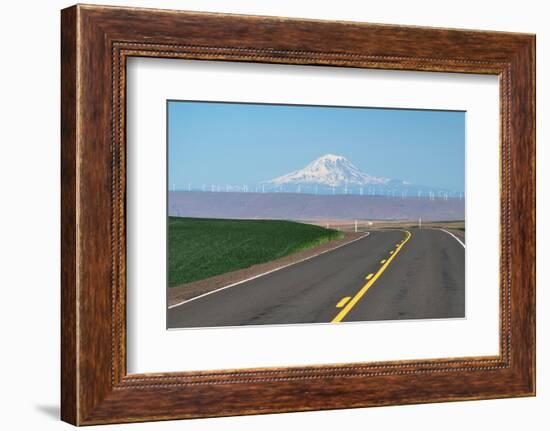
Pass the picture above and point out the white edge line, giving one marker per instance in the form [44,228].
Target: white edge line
[454,236]
[265,273]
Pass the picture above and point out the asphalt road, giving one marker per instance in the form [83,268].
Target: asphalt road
[388,275]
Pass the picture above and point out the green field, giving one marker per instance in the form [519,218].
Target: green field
[202,248]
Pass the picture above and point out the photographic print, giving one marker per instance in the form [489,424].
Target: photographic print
[298,214]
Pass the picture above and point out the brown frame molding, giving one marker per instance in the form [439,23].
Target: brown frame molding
[95,43]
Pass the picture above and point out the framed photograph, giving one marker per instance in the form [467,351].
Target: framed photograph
[263,214]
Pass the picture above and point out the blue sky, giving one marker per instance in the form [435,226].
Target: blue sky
[226,143]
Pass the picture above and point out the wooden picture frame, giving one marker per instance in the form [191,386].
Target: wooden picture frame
[95,43]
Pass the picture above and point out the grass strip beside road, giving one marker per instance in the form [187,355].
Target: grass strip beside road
[202,248]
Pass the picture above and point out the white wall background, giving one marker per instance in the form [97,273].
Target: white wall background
[29,215]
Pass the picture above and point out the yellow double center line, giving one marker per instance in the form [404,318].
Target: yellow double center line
[350,304]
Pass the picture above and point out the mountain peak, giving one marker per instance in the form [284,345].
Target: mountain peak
[331,157]
[329,170]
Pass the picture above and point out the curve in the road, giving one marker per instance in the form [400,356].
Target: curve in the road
[371,280]
[423,277]
[427,281]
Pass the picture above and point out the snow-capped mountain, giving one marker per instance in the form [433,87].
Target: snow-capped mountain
[332,174]
[329,170]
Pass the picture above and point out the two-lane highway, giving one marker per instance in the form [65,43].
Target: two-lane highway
[389,274]
[426,281]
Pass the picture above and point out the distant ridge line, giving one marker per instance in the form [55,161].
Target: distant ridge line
[294,206]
